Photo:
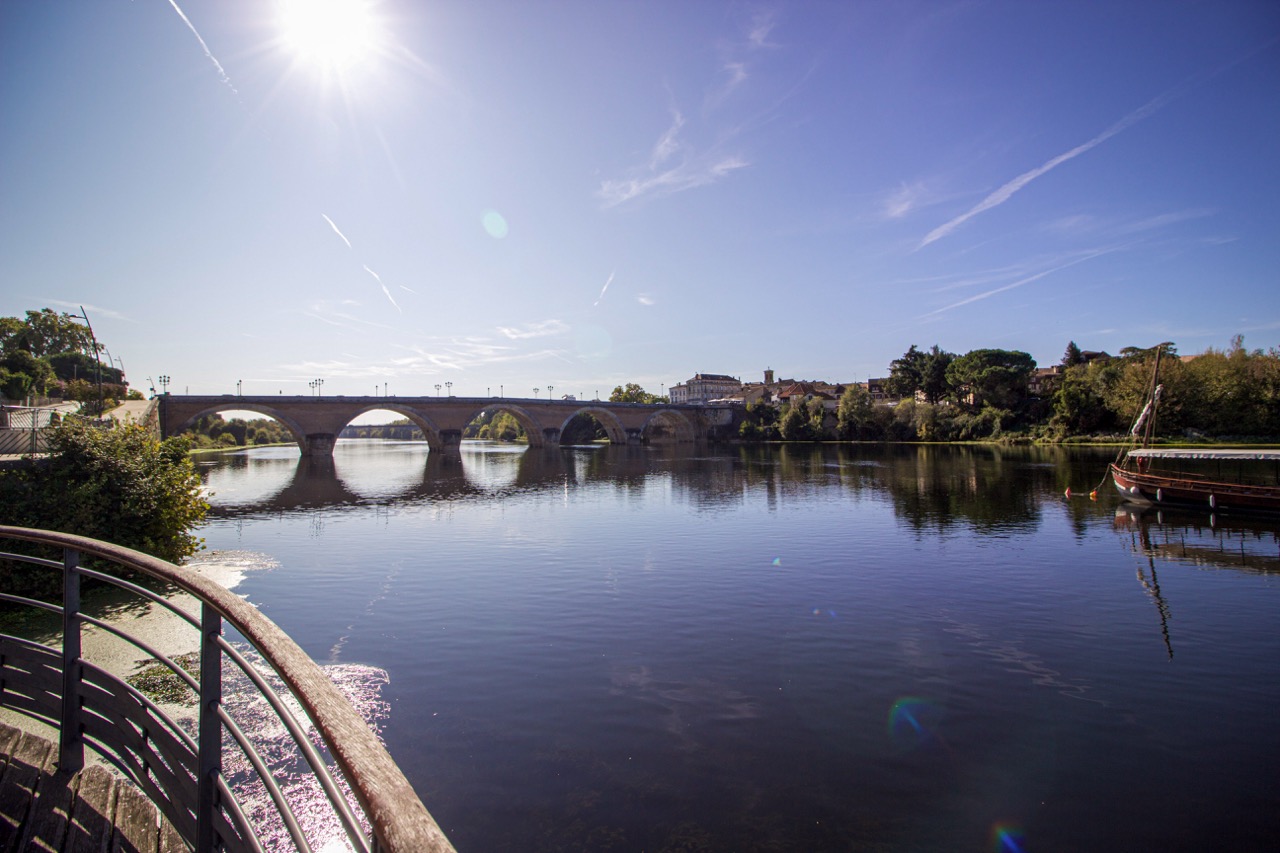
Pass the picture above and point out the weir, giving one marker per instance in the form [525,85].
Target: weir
[316,422]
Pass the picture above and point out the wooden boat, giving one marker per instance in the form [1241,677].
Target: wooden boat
[1213,480]
[1195,478]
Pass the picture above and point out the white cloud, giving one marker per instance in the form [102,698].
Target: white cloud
[535,330]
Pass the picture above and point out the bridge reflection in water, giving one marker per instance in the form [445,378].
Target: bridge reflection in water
[316,422]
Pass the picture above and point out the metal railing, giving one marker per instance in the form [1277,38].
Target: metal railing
[184,773]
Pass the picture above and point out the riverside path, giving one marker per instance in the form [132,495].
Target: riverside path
[315,422]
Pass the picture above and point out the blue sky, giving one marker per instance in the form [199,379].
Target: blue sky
[582,194]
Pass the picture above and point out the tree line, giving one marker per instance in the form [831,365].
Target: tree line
[51,354]
[988,394]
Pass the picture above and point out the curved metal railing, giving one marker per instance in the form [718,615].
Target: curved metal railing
[184,774]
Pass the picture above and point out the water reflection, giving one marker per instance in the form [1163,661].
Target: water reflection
[993,490]
[1197,539]
[1203,540]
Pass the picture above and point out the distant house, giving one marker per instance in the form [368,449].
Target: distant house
[705,387]
[1044,381]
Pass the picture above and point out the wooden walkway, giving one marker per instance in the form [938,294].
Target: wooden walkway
[44,809]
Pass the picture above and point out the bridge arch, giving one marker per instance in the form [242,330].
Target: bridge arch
[612,426]
[532,426]
[671,420]
[432,432]
[294,428]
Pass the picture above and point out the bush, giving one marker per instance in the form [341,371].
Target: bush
[119,485]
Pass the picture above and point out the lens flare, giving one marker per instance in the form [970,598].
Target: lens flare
[494,224]
[913,723]
[1007,838]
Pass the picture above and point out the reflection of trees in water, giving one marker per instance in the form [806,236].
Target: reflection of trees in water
[931,488]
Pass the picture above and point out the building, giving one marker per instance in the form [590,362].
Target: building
[705,387]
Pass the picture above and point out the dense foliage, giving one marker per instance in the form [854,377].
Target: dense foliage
[52,354]
[633,393]
[212,431]
[987,394]
[118,484]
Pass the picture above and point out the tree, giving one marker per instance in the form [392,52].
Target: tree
[933,374]
[25,374]
[633,393]
[1072,356]
[794,423]
[925,372]
[854,413]
[993,377]
[47,332]
[906,374]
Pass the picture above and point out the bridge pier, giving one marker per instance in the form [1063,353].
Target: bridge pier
[634,436]
[319,444]
[551,437]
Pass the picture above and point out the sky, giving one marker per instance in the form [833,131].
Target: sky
[510,196]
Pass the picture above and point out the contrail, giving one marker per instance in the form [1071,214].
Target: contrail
[336,231]
[1006,192]
[603,289]
[378,279]
[216,64]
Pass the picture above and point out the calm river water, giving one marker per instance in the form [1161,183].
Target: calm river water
[800,648]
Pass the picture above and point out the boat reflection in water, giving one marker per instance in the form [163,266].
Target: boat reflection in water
[1200,539]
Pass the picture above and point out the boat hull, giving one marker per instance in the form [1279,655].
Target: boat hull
[1165,490]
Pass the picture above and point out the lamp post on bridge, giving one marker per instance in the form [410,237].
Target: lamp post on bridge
[437,389]
[239,387]
[550,388]
[164,384]
[535,393]
[449,387]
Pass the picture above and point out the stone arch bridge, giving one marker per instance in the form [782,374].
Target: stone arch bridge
[316,422]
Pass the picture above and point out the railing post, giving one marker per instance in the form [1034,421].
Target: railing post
[71,743]
[209,744]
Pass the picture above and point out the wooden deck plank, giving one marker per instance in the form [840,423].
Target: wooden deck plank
[91,814]
[47,811]
[29,758]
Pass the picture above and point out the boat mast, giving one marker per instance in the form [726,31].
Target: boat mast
[1149,432]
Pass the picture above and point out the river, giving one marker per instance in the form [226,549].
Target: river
[797,648]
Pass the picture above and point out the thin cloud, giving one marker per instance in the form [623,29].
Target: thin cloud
[335,230]
[1019,283]
[385,292]
[93,310]
[216,64]
[535,330]
[1007,191]
[687,176]
[644,299]
[608,282]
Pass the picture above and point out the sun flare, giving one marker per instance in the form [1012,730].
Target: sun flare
[329,33]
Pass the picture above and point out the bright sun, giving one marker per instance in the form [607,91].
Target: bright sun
[333,34]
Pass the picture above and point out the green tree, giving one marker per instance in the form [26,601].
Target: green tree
[46,332]
[795,422]
[906,374]
[633,393]
[854,414]
[120,485]
[26,374]
[1072,356]
[993,377]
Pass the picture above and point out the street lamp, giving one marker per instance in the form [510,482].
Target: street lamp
[550,388]
[449,387]
[239,387]
[535,393]
[437,389]
[499,390]
[164,384]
